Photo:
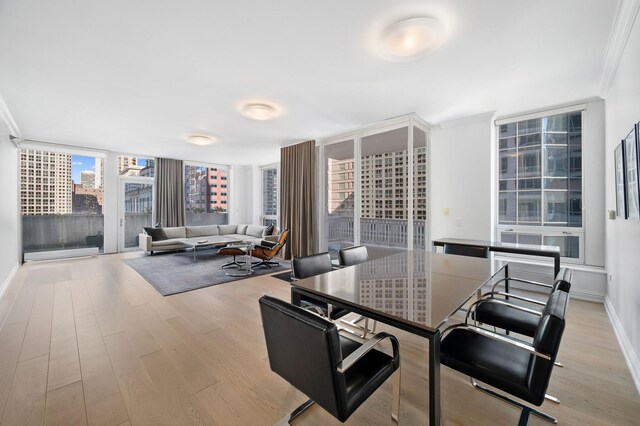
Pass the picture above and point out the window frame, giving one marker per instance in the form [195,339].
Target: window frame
[541,229]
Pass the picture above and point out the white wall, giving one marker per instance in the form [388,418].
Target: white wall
[9,217]
[623,236]
[242,194]
[462,178]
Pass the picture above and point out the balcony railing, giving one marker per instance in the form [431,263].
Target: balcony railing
[375,232]
[60,232]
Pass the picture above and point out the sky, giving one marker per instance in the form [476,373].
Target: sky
[80,163]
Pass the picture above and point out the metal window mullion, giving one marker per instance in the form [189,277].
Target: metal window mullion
[410,171]
[357,190]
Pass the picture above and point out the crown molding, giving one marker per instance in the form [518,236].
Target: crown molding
[622,26]
[485,116]
[6,116]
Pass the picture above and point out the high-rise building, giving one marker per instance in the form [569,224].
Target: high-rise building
[87,200]
[218,183]
[88,179]
[196,189]
[126,162]
[99,173]
[45,182]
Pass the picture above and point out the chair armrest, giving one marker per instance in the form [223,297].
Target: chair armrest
[520,280]
[366,347]
[266,245]
[315,309]
[499,338]
[491,294]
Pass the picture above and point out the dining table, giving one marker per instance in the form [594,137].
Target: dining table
[416,291]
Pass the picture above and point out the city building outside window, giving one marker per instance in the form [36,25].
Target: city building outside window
[203,206]
[540,182]
[270,195]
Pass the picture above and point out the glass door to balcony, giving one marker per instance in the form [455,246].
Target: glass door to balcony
[340,195]
[136,205]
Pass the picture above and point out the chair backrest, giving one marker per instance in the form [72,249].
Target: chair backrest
[308,266]
[547,340]
[353,255]
[304,349]
[282,240]
[563,280]
[474,251]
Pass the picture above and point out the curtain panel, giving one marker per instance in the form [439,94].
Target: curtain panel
[169,200]
[298,197]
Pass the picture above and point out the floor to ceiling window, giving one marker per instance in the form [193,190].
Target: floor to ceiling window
[540,182]
[377,188]
[206,192]
[270,195]
[62,201]
[135,197]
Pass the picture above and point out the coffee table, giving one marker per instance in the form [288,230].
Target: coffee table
[205,243]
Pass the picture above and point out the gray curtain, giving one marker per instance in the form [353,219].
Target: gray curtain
[169,200]
[298,183]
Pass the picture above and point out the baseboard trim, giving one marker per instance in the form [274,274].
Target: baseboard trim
[587,295]
[625,345]
[6,282]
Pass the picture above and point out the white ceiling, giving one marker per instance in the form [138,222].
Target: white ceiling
[138,76]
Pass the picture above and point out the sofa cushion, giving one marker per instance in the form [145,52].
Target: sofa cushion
[171,242]
[177,232]
[227,229]
[242,229]
[256,231]
[202,231]
[156,234]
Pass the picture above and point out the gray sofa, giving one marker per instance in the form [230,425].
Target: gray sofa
[218,233]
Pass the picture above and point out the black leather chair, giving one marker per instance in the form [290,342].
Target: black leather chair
[353,256]
[309,266]
[510,365]
[473,251]
[337,373]
[496,308]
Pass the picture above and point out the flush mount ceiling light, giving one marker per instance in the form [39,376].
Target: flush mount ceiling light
[410,38]
[201,140]
[259,111]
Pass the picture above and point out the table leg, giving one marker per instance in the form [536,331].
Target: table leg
[434,380]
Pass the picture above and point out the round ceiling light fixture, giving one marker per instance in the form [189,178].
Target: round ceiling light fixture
[410,38]
[260,111]
[201,140]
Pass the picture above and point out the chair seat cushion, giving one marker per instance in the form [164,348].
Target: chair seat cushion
[493,362]
[506,317]
[366,375]
[231,251]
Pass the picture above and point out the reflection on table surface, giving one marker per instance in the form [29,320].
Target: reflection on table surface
[421,288]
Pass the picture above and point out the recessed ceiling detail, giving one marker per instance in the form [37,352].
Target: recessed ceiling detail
[260,111]
[410,38]
[201,140]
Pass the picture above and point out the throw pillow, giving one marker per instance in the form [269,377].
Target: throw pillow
[256,231]
[156,234]
[270,229]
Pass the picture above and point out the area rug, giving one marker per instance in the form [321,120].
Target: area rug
[172,273]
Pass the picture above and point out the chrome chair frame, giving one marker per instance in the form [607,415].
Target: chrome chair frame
[347,363]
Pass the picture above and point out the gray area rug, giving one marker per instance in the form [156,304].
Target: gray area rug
[172,273]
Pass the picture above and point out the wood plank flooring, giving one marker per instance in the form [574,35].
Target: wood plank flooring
[89,341]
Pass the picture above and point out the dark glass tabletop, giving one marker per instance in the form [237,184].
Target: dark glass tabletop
[417,288]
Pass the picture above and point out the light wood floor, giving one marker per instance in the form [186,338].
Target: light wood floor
[89,341]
